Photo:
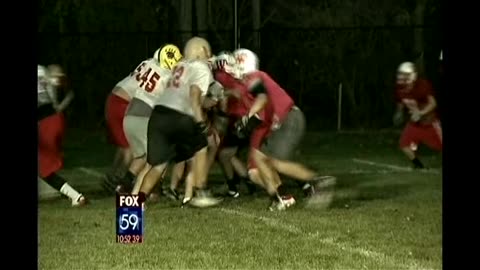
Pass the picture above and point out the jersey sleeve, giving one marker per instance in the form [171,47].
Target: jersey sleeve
[426,89]
[202,77]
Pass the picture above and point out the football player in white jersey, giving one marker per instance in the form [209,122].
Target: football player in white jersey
[177,130]
[152,83]
[51,130]
[115,109]
[215,95]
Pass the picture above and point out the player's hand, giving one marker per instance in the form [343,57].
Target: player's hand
[243,122]
[240,127]
[415,115]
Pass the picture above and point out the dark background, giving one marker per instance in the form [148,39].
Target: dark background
[309,47]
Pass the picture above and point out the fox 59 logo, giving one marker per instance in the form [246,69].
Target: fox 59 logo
[129,220]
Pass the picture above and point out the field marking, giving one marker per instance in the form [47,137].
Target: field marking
[90,172]
[377,256]
[393,167]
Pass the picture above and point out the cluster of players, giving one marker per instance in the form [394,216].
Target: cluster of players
[194,108]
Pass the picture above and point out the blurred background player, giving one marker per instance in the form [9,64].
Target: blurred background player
[151,83]
[51,129]
[416,96]
[278,144]
[115,109]
[177,130]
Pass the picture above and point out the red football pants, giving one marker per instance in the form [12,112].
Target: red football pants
[429,134]
[51,131]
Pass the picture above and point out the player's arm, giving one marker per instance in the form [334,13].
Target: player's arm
[431,105]
[198,90]
[196,103]
[52,92]
[66,101]
[261,99]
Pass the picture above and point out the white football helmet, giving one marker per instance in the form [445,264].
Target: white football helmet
[406,73]
[246,62]
[223,61]
[197,48]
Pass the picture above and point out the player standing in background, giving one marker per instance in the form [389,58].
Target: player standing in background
[115,108]
[417,97]
[150,83]
[51,130]
[286,124]
[177,130]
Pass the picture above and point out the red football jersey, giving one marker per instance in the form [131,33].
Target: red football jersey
[416,97]
[278,98]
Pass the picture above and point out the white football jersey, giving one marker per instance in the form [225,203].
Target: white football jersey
[130,83]
[45,89]
[176,95]
[151,82]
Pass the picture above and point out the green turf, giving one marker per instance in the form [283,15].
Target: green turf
[381,218]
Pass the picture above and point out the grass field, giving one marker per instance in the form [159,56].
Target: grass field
[383,216]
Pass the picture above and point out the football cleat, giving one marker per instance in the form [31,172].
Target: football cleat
[282,204]
[80,201]
[233,194]
[321,192]
[203,199]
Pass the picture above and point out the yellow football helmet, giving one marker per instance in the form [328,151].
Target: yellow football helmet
[168,56]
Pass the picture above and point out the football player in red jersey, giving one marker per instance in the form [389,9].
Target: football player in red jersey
[416,96]
[51,130]
[277,138]
[236,104]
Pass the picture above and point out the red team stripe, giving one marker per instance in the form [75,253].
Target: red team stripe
[51,131]
[115,112]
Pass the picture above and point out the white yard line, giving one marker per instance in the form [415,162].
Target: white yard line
[374,255]
[90,172]
[393,167]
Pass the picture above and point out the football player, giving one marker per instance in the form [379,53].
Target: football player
[276,143]
[151,82]
[51,130]
[115,108]
[416,96]
[177,130]
[215,94]
[234,107]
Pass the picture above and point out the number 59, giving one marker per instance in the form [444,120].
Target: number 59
[127,220]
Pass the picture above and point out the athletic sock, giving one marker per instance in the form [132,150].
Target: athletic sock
[57,182]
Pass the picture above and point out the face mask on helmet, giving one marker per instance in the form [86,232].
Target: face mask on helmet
[55,75]
[223,61]
[168,56]
[246,62]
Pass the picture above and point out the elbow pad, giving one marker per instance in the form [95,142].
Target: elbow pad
[258,88]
